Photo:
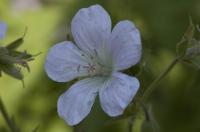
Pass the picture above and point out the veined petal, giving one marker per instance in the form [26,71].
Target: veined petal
[118,93]
[3,29]
[91,28]
[75,104]
[125,45]
[64,62]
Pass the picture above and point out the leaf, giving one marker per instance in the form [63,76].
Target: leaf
[23,55]
[6,59]
[187,39]
[3,51]
[12,70]
[188,35]
[16,43]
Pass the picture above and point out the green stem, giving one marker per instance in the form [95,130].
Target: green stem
[130,124]
[10,123]
[153,85]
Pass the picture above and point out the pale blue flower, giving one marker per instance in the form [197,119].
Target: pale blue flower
[99,55]
[3,29]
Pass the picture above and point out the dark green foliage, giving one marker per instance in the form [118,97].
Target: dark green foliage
[12,60]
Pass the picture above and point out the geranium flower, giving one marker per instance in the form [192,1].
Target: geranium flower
[3,29]
[99,55]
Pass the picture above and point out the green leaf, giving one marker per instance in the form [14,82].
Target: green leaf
[182,46]
[12,70]
[3,51]
[188,35]
[7,59]
[16,43]
[22,55]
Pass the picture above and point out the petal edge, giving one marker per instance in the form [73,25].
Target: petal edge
[76,103]
[118,93]
[125,45]
[91,28]
[3,28]
[62,62]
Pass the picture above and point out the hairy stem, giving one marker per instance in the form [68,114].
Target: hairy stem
[152,87]
[154,84]
[9,122]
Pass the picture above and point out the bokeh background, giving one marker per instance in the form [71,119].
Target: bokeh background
[175,103]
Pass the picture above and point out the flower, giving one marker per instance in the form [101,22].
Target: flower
[3,29]
[99,55]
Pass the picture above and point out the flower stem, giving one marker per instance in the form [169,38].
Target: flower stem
[130,124]
[154,84]
[10,123]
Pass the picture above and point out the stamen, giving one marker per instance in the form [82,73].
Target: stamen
[90,68]
[93,67]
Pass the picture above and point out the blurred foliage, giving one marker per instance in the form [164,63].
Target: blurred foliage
[175,104]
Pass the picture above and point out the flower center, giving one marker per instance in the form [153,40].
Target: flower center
[95,66]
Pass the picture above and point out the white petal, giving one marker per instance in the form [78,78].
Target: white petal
[91,28]
[75,104]
[63,62]
[118,93]
[125,45]
[3,29]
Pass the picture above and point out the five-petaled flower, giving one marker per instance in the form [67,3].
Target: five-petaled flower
[3,29]
[99,55]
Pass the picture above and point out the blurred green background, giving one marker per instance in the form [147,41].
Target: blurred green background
[176,102]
